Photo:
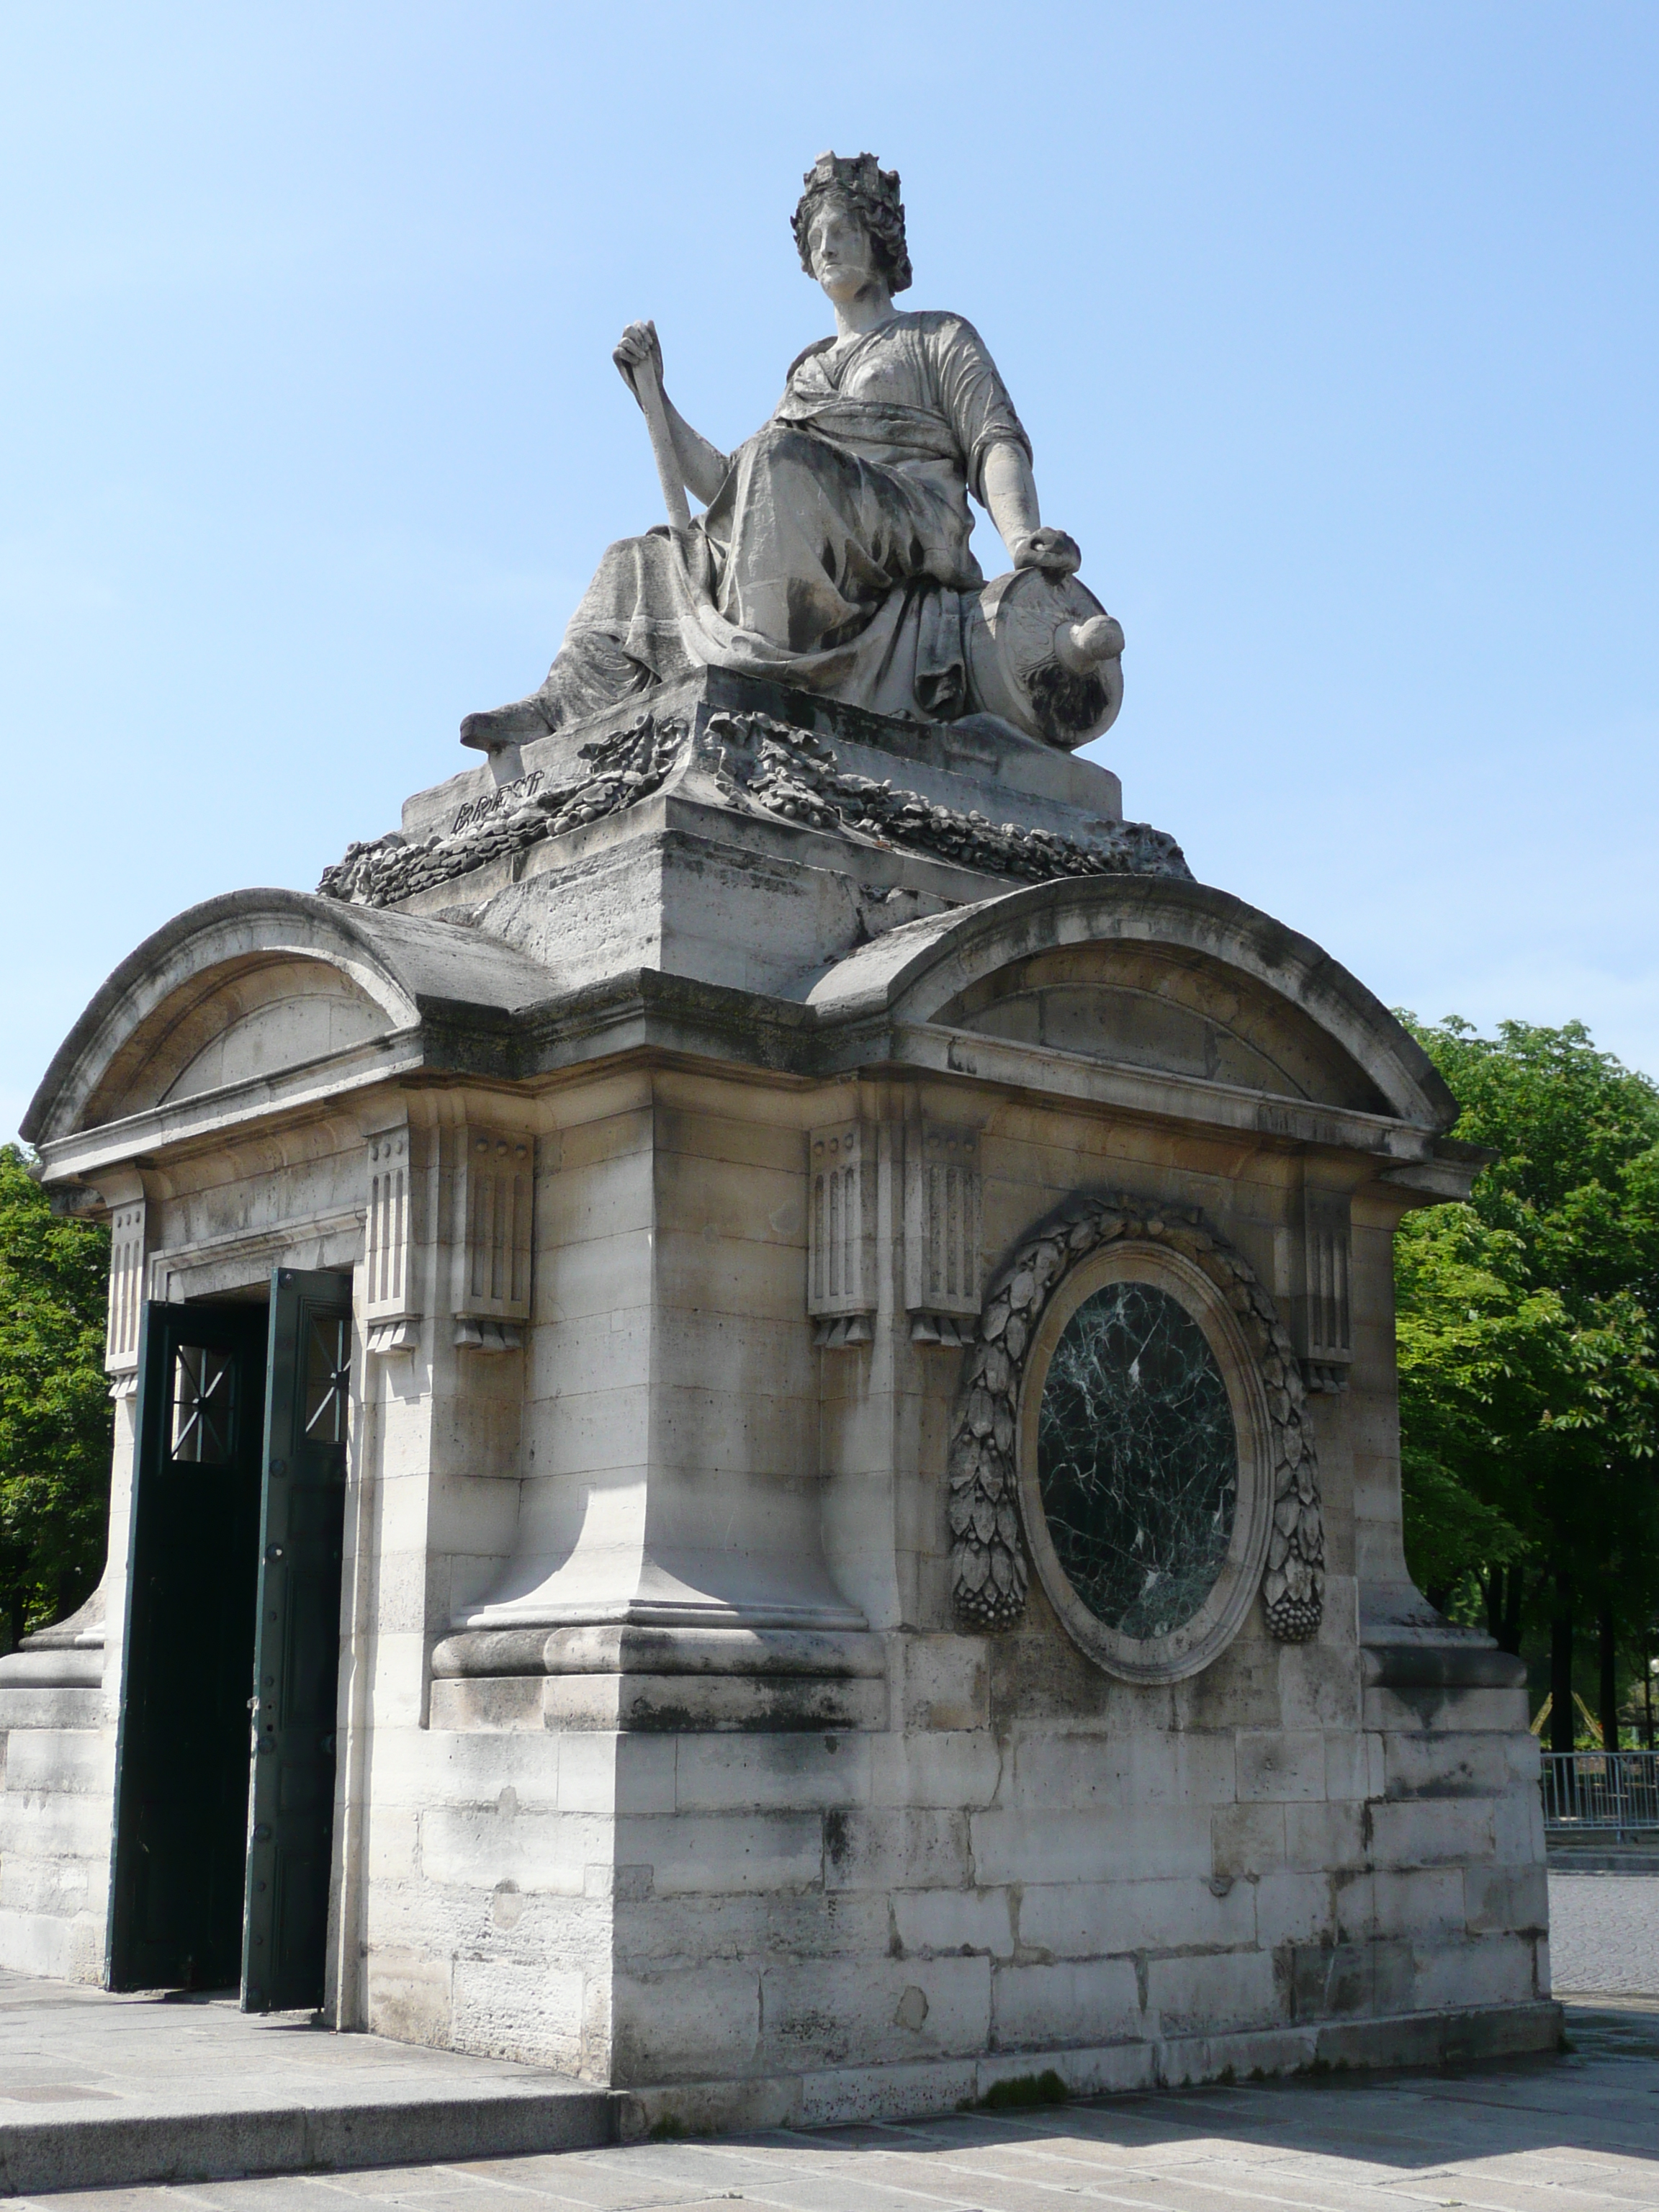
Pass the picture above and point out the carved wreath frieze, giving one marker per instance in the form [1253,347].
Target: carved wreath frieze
[763,766]
[788,772]
[623,769]
[989,1567]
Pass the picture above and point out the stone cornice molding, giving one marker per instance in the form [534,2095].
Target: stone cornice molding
[462,1005]
[914,973]
[394,960]
[646,1013]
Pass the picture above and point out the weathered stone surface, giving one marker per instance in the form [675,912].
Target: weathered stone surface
[707,758]
[662,1754]
[835,550]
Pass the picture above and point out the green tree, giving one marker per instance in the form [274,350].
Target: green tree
[54,1413]
[1529,1367]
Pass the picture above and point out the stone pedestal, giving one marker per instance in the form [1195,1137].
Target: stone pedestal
[713,1108]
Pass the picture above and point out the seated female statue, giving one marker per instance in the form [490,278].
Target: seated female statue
[833,554]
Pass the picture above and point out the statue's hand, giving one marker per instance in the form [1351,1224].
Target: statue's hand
[1048,550]
[638,345]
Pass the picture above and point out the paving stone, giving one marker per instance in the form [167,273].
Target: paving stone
[97,2090]
[1574,2133]
[1604,1933]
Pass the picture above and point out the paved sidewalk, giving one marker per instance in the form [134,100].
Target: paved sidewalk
[1604,1933]
[91,2084]
[1579,2133]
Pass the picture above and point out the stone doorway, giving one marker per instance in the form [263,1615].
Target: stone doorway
[224,1799]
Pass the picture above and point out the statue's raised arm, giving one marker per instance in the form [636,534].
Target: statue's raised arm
[638,354]
[833,550]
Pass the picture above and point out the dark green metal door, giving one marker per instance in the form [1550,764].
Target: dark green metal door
[297,1648]
[182,1749]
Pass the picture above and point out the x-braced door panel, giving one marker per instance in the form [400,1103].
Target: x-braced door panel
[297,1641]
[182,1747]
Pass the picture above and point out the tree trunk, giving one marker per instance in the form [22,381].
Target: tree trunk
[1647,1697]
[1561,1712]
[1608,1684]
[1509,1637]
[1503,1587]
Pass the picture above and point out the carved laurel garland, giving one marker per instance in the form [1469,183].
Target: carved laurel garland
[988,1568]
[790,772]
[623,768]
[772,767]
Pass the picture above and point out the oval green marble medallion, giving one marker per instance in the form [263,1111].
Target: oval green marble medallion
[1138,1460]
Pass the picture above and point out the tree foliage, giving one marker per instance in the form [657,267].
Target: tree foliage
[54,1413]
[1528,1357]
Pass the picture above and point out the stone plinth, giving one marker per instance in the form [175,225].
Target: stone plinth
[712,1118]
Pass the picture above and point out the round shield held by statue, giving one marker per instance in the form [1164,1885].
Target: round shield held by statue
[1045,655]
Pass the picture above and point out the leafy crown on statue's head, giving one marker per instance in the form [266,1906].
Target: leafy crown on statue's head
[873,193]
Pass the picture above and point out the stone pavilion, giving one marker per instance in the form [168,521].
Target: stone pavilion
[756,1429]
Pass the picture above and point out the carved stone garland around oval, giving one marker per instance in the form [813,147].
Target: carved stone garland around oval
[989,1570]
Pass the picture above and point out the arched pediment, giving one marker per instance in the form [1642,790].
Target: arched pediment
[249,986]
[1149,973]
[250,1017]
[1164,1007]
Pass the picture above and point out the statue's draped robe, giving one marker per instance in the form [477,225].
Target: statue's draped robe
[833,555]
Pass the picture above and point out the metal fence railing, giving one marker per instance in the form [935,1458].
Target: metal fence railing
[1608,1791]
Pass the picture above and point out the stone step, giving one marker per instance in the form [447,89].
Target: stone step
[100,2092]
[1610,1858]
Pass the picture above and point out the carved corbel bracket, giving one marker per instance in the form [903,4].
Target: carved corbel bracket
[943,1268]
[448,1230]
[948,1332]
[488,1336]
[841,1233]
[1321,1311]
[493,1196]
[129,1252]
[845,1335]
[387,1339]
[392,1320]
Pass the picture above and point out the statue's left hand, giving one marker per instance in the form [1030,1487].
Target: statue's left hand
[1052,551]
[638,344]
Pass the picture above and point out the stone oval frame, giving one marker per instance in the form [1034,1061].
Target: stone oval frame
[1187,1649]
[989,1561]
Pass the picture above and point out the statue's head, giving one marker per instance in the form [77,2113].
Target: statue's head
[862,189]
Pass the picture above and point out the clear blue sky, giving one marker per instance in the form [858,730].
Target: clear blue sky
[1333,327]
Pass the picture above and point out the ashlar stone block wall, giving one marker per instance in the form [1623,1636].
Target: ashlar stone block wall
[664,1756]
[1010,1859]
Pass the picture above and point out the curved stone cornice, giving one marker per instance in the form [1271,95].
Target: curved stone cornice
[400,963]
[915,972]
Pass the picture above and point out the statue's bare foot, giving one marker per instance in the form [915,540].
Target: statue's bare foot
[497,727]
